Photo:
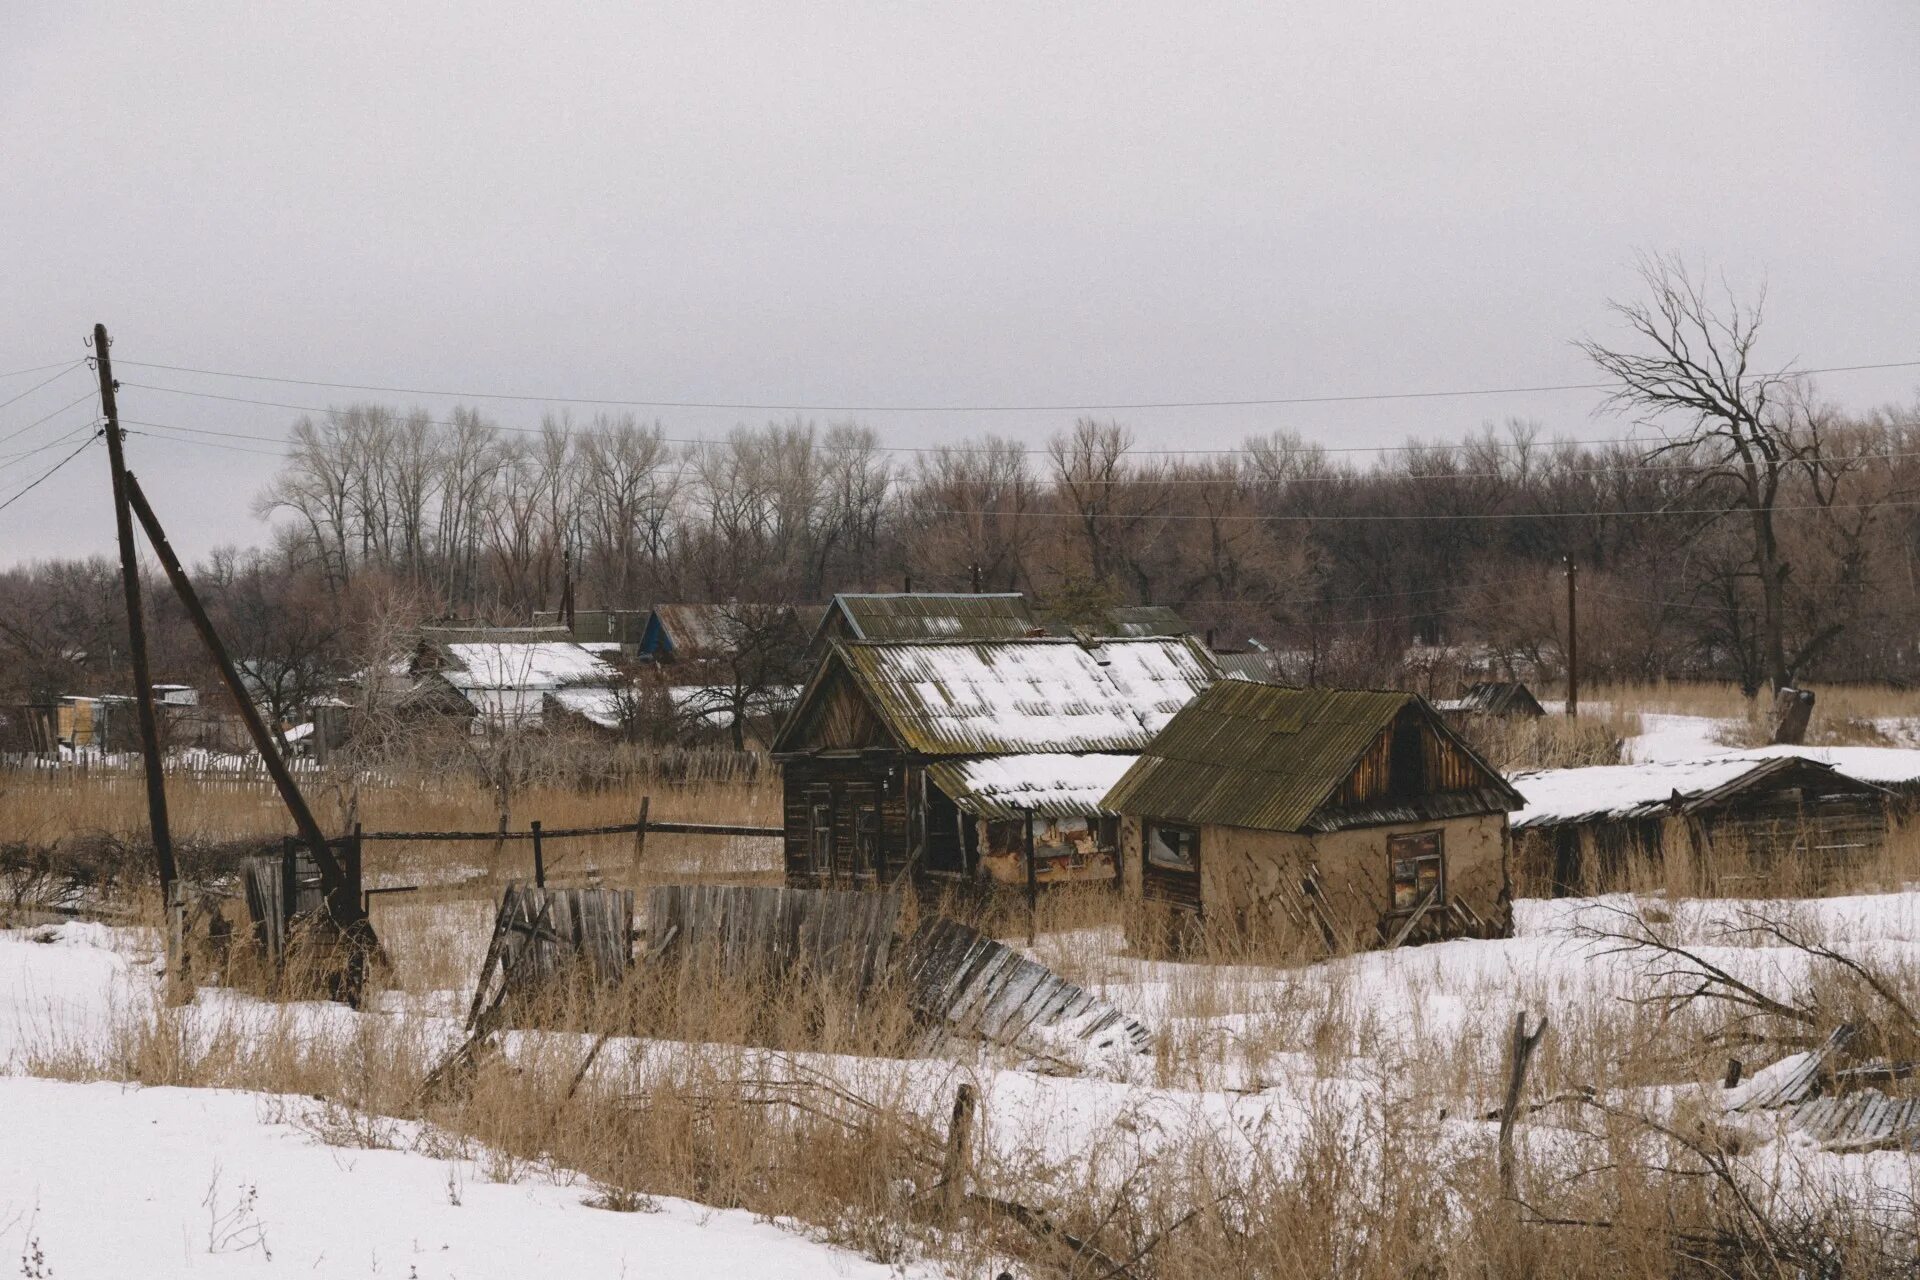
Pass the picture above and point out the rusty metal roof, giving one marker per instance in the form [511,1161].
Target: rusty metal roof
[1264,756]
[1128,620]
[1000,697]
[927,615]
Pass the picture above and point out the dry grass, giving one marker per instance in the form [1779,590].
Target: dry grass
[1351,1168]
[1843,715]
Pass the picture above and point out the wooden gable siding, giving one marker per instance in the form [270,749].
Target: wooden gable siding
[1442,766]
[838,718]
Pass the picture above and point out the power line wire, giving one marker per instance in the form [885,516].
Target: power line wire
[708,442]
[71,366]
[1250,402]
[41,478]
[38,368]
[12,459]
[83,396]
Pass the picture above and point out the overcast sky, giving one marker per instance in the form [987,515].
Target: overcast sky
[916,205]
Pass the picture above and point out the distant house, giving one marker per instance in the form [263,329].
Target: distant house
[1499,698]
[1130,620]
[1334,819]
[923,615]
[717,632]
[503,676]
[1588,830]
[603,631]
[935,759]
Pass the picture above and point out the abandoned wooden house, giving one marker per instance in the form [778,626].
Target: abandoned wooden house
[602,631]
[944,760]
[923,615]
[1505,699]
[1587,830]
[1127,620]
[1333,819]
[500,677]
[707,633]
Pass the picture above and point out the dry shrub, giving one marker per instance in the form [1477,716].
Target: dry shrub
[1515,743]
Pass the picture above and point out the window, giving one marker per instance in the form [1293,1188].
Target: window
[1172,848]
[866,840]
[822,848]
[1418,868]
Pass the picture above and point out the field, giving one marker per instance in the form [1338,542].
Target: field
[1333,1118]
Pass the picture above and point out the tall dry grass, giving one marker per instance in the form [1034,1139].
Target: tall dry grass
[1292,1124]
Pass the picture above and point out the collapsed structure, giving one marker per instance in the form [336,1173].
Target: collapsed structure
[1584,830]
[1335,818]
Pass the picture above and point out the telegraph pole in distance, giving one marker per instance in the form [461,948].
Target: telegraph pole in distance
[136,628]
[1573,639]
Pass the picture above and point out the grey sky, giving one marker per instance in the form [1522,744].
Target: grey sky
[976,203]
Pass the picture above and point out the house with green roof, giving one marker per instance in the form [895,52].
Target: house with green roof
[1329,820]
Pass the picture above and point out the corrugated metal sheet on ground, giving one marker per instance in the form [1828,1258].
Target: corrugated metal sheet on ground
[1051,784]
[969,983]
[1264,756]
[996,697]
[935,616]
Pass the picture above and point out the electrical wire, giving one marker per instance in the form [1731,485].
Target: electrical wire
[13,459]
[1252,402]
[42,477]
[39,368]
[708,442]
[83,396]
[43,382]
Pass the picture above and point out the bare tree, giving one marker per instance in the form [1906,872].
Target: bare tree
[1693,360]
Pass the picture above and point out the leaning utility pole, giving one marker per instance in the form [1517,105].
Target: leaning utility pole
[1573,639]
[136,627]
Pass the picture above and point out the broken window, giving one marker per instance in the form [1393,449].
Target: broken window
[1418,868]
[822,848]
[1173,848]
[866,840]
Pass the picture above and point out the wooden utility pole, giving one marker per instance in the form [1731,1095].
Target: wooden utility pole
[1573,639]
[136,630]
[343,901]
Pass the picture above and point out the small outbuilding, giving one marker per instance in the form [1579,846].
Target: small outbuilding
[1335,819]
[1506,699]
[1586,830]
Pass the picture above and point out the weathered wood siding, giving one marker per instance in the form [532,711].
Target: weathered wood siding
[1409,758]
[848,786]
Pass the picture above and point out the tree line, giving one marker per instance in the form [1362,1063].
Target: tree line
[1743,530]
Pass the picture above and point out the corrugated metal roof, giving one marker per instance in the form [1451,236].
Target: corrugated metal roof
[1620,792]
[929,615]
[1053,785]
[710,630]
[997,697]
[1264,756]
[1130,621]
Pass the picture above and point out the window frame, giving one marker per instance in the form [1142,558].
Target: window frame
[1151,828]
[820,853]
[1438,858]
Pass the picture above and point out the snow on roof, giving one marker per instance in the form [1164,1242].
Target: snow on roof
[1619,791]
[543,665]
[1882,766]
[1001,696]
[597,704]
[1052,784]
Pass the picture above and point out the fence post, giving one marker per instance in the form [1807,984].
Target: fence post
[640,832]
[1033,886]
[953,1166]
[539,859]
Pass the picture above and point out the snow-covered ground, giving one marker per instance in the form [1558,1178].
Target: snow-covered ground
[113,1180]
[109,1180]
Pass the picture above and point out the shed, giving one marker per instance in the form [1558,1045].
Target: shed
[1582,830]
[923,615]
[1129,620]
[1338,818]
[931,759]
[503,674]
[1504,698]
[715,632]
